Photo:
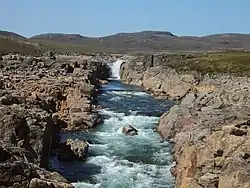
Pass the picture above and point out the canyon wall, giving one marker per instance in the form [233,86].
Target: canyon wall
[39,97]
[209,125]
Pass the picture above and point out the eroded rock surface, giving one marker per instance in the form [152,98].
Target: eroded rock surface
[39,97]
[209,126]
[73,150]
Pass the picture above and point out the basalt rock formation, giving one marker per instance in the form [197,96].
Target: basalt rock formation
[209,125]
[39,97]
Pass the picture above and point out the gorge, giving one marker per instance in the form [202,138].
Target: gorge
[68,114]
[209,125]
[118,160]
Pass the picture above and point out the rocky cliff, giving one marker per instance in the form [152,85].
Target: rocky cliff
[209,125]
[39,97]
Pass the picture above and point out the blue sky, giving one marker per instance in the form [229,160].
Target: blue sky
[104,17]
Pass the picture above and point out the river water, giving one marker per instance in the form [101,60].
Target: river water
[117,160]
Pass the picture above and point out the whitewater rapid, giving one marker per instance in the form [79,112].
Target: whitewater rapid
[117,160]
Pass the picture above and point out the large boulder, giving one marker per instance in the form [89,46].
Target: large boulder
[129,130]
[73,150]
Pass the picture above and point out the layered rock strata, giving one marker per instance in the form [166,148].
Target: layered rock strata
[209,125]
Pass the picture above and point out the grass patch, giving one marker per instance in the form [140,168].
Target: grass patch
[236,63]
[8,45]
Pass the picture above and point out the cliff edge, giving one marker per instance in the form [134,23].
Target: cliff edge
[209,125]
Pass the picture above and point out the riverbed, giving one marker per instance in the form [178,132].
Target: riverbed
[116,160]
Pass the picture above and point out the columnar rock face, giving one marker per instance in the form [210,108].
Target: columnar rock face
[209,126]
[40,96]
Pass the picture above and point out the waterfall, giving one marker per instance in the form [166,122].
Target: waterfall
[115,69]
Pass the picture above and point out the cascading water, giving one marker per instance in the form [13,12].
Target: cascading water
[116,160]
[115,69]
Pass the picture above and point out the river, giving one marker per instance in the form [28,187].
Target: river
[117,160]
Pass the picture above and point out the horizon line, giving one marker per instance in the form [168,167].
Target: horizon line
[125,32]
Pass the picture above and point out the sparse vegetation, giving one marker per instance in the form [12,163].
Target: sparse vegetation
[232,62]
[8,45]
[229,62]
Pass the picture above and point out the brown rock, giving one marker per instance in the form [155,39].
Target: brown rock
[40,183]
[129,130]
[209,180]
[73,150]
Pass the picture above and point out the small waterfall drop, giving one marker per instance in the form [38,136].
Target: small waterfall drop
[115,69]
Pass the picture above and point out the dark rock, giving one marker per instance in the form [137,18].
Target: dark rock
[218,153]
[76,64]
[4,155]
[238,132]
[10,99]
[51,55]
[48,104]
[245,155]
[1,84]
[58,95]
[69,69]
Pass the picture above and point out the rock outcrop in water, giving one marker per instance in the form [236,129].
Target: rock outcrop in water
[73,150]
[209,127]
[40,96]
[129,130]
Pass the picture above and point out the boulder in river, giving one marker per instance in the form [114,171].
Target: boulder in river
[129,130]
[73,149]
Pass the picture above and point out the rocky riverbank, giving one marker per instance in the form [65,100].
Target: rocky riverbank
[39,97]
[209,125]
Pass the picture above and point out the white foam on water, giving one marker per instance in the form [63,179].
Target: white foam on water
[115,69]
[111,113]
[117,98]
[122,173]
[131,93]
[140,161]
[86,185]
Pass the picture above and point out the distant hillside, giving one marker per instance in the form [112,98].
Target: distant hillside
[150,41]
[138,42]
[8,45]
[11,35]
[14,43]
